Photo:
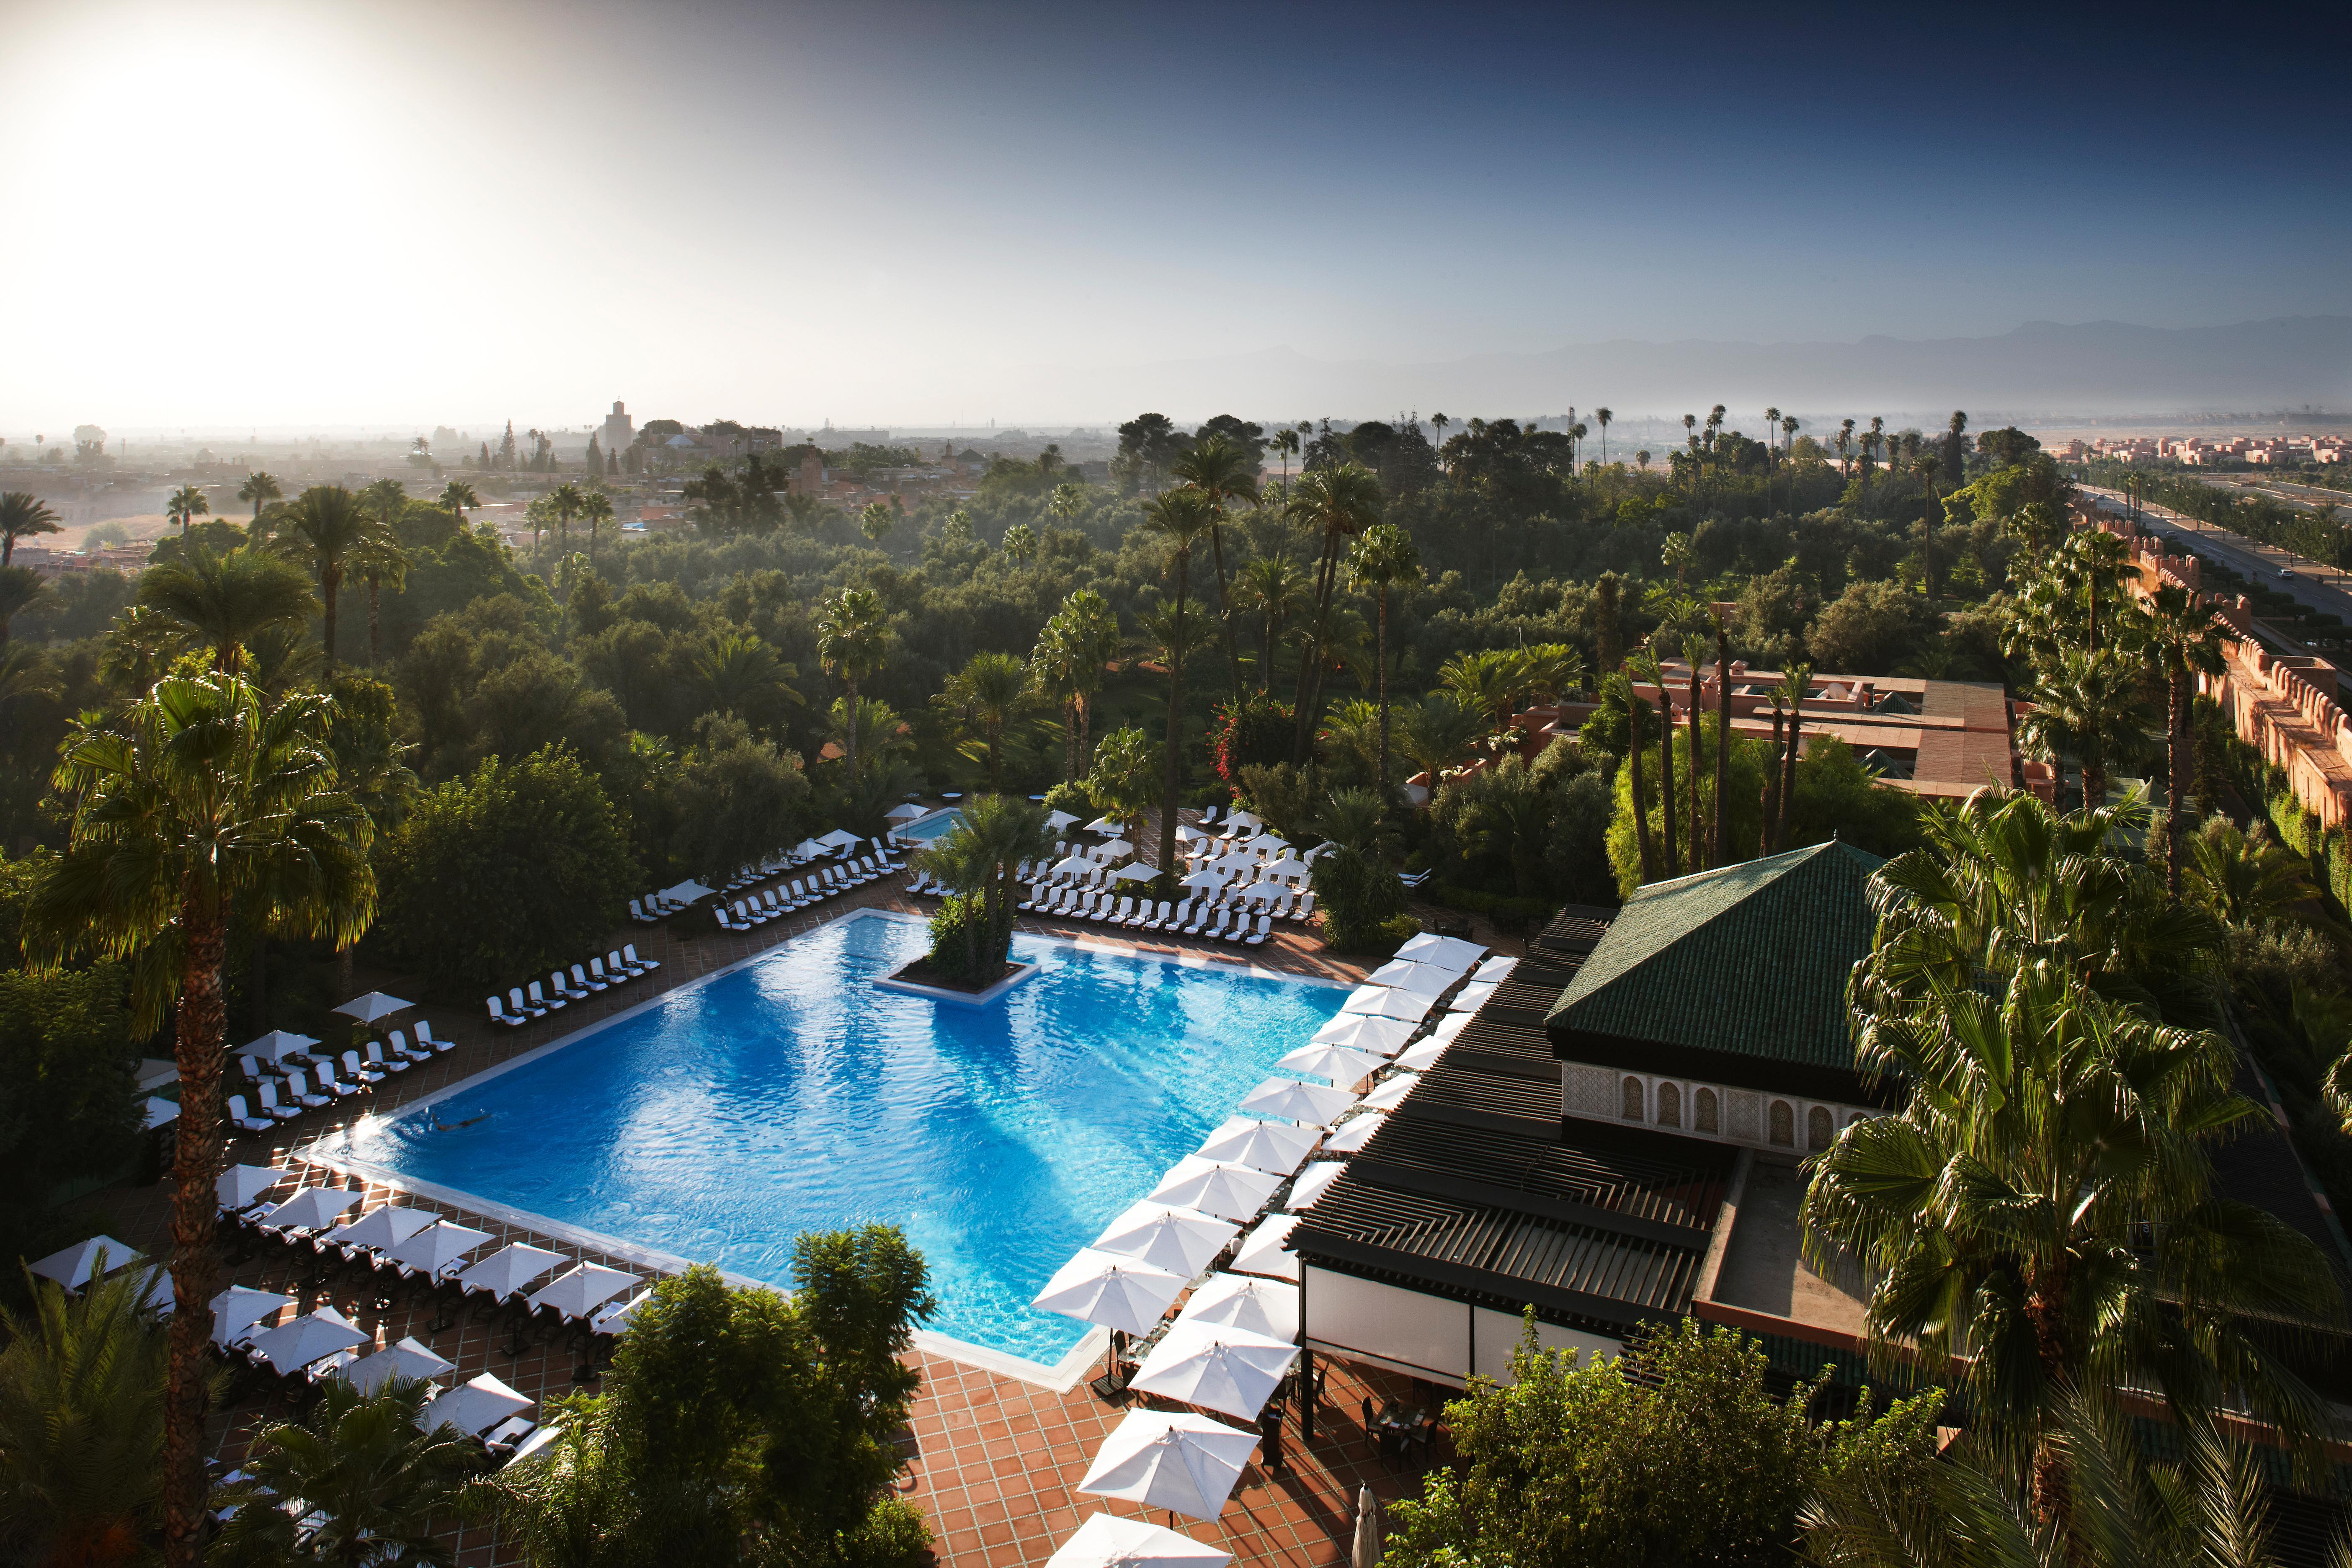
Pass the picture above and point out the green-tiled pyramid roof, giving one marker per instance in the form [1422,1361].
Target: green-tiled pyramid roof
[1750,960]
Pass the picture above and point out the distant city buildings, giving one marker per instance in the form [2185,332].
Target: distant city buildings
[2195,452]
[618,429]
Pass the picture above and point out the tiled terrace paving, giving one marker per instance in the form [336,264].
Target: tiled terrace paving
[992,1461]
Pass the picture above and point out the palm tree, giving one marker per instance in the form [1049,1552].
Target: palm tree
[1340,501]
[1602,416]
[741,675]
[2040,1217]
[1273,588]
[2244,878]
[1020,542]
[374,1478]
[1225,471]
[980,860]
[379,560]
[597,507]
[986,695]
[260,487]
[1436,733]
[1924,467]
[320,531]
[565,502]
[21,589]
[1844,440]
[1644,664]
[187,504]
[2185,640]
[1438,422]
[81,1422]
[2087,707]
[459,498]
[225,600]
[1382,557]
[1179,517]
[22,514]
[1286,441]
[853,636]
[1067,664]
[1771,423]
[199,804]
[1795,681]
[1488,681]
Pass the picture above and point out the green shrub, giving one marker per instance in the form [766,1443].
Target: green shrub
[1502,905]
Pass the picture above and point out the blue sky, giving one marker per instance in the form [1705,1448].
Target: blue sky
[928,211]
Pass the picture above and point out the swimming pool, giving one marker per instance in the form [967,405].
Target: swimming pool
[937,826]
[721,1120]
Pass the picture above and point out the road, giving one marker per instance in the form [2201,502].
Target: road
[2320,587]
[2286,492]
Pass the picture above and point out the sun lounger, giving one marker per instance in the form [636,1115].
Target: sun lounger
[275,1108]
[398,1049]
[1306,907]
[630,953]
[299,1091]
[556,982]
[384,1064]
[240,1116]
[361,1075]
[542,1003]
[522,1009]
[616,963]
[584,982]
[1120,916]
[1264,929]
[638,913]
[727,920]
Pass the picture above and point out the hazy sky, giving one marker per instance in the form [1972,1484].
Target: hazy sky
[225,214]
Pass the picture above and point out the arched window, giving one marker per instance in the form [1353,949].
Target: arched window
[1670,1105]
[1632,1112]
[1818,1128]
[1856,1116]
[1703,1112]
[1783,1124]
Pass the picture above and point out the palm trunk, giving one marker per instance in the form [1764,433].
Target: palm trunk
[1175,743]
[331,586]
[1768,835]
[1310,658]
[2183,780]
[1070,739]
[851,729]
[1380,657]
[257,982]
[195,1166]
[1224,611]
[375,621]
[1648,854]
[1669,858]
[2095,785]
[1698,861]
[1085,727]
[1789,779]
[1720,852]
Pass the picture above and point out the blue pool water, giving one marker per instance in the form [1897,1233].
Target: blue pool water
[790,1095]
[930,828]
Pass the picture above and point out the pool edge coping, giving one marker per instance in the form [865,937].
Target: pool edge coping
[1060,1377]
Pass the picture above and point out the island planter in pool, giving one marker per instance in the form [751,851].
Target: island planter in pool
[1021,972]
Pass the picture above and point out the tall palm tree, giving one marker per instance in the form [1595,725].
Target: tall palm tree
[21,589]
[385,501]
[853,636]
[379,560]
[1636,715]
[1067,665]
[980,862]
[377,1479]
[459,498]
[1340,502]
[988,693]
[596,506]
[2087,708]
[1925,465]
[260,487]
[1437,733]
[321,530]
[2185,640]
[2243,879]
[565,502]
[741,675]
[1286,441]
[1771,425]
[1181,518]
[2040,1218]
[1644,662]
[1382,557]
[225,600]
[22,514]
[187,504]
[1225,471]
[1274,589]
[199,804]
[1794,683]
[1844,440]
[1602,416]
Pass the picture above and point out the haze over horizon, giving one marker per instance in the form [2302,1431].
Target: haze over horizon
[271,214]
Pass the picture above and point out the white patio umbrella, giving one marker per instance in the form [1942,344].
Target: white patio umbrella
[382,1228]
[1184,1463]
[1073,866]
[1423,1056]
[614,1316]
[1451,952]
[1261,1146]
[1287,866]
[472,1407]
[506,1271]
[1312,1184]
[1117,849]
[1354,1133]
[1422,979]
[1391,1094]
[1124,1293]
[437,1247]
[806,849]
[1495,970]
[237,1186]
[1296,1101]
[375,1004]
[1470,999]
[1449,1026]
[406,1359]
[1343,1067]
[1180,1240]
[238,1308]
[1238,860]
[686,892]
[160,1110]
[1361,1032]
[292,1346]
[1269,841]
[1245,819]
[838,839]
[1106,825]
[1233,1191]
[1227,1369]
[1134,871]
[909,812]
[1265,1250]
[276,1047]
[1186,833]
[1365,1551]
[1388,1002]
[1059,821]
[1266,1306]
[1108,1541]
[312,1209]
[578,1292]
[1204,878]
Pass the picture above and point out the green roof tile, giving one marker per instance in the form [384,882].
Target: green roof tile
[1750,960]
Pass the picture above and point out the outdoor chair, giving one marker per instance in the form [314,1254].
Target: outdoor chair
[498,1014]
[1306,907]
[544,1003]
[616,963]
[1264,929]
[1122,914]
[523,1012]
[638,913]
[383,1064]
[596,971]
[630,953]
[555,981]
[298,1089]
[1029,904]
[239,1117]
[398,1045]
[1141,918]
[727,920]
[584,982]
